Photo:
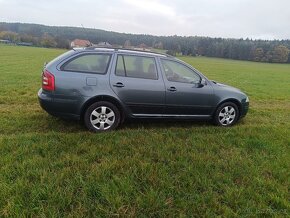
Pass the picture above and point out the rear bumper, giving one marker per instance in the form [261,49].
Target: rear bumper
[57,107]
[245,108]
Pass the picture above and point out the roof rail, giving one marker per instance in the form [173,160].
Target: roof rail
[95,47]
[126,49]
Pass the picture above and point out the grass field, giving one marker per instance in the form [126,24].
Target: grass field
[51,167]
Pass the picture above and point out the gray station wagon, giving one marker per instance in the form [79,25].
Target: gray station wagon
[104,86]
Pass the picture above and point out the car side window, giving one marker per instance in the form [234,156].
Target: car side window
[177,72]
[136,67]
[120,67]
[88,63]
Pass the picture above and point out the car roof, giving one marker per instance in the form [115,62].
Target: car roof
[122,50]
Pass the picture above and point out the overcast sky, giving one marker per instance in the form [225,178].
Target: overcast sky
[257,19]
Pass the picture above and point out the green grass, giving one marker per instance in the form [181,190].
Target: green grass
[51,167]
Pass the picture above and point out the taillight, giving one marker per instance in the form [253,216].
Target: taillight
[48,82]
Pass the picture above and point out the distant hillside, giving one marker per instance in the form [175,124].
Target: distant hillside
[71,33]
[241,49]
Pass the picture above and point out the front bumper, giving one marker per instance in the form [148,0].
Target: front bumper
[244,109]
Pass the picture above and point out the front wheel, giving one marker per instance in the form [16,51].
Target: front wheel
[227,114]
[102,116]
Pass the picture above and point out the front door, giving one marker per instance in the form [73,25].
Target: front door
[138,84]
[185,95]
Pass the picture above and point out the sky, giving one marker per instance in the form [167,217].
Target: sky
[256,19]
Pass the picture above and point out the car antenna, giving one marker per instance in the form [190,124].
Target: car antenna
[85,30]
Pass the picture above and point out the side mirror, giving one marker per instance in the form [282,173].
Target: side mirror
[203,82]
[200,83]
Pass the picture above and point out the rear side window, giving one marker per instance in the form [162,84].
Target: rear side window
[88,63]
[136,67]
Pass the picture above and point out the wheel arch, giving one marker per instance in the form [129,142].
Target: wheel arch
[107,98]
[232,100]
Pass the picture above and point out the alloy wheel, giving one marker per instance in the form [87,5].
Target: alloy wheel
[227,115]
[102,118]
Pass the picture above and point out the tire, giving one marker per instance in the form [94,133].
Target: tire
[227,114]
[102,116]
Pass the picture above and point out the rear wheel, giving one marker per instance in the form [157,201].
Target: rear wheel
[102,116]
[227,114]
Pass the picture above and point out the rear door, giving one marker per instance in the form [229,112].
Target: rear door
[138,83]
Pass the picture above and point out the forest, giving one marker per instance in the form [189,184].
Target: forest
[272,51]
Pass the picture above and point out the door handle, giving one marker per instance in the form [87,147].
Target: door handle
[172,89]
[118,84]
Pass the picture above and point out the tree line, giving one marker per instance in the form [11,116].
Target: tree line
[276,51]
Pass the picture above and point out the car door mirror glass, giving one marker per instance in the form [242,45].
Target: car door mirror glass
[203,81]
[200,83]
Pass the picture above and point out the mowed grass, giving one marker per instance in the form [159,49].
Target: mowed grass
[55,168]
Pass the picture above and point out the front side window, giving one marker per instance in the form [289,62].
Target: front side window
[136,67]
[90,63]
[177,72]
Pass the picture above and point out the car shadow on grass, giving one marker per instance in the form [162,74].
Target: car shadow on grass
[72,126]
[163,124]
[56,124]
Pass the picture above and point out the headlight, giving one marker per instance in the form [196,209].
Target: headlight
[247,99]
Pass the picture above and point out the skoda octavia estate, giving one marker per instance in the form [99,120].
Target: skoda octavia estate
[104,86]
